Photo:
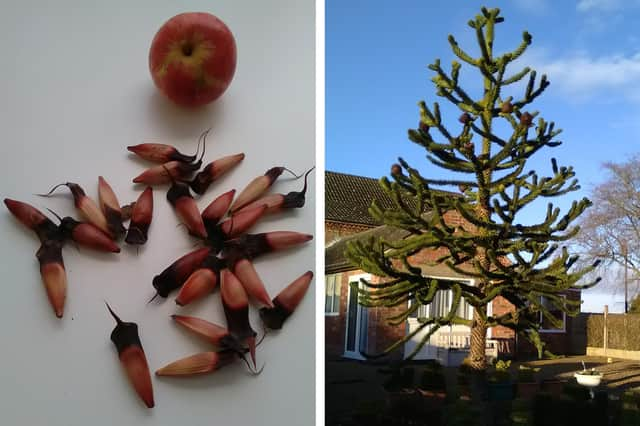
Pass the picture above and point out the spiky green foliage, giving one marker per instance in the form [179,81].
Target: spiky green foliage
[520,262]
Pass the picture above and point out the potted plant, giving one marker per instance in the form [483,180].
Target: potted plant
[528,386]
[500,386]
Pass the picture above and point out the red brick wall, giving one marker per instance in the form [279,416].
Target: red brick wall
[500,307]
[504,335]
[381,334]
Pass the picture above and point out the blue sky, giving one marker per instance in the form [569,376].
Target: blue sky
[377,54]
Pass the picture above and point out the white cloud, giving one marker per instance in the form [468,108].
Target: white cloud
[583,76]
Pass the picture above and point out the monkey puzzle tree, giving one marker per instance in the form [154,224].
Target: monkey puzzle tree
[505,257]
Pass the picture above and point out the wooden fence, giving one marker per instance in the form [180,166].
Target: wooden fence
[614,335]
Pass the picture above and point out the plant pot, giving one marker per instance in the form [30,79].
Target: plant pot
[528,390]
[588,380]
[500,391]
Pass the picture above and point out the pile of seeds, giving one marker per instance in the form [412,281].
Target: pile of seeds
[225,260]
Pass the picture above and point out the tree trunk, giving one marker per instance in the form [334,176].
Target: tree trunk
[477,355]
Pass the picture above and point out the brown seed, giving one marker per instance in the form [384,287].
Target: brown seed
[110,207]
[286,302]
[273,203]
[186,208]
[53,274]
[141,217]
[278,202]
[249,246]
[218,207]
[242,221]
[162,173]
[33,219]
[202,363]
[200,283]
[127,341]
[236,309]
[87,207]
[160,153]
[213,171]
[213,333]
[257,187]
[88,235]
[248,276]
[177,273]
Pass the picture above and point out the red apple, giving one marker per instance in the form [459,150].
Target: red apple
[193,58]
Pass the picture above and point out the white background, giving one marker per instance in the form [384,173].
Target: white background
[75,90]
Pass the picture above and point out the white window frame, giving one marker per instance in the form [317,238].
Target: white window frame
[470,281]
[337,280]
[554,330]
[361,313]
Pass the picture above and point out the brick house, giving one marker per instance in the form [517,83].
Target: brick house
[350,329]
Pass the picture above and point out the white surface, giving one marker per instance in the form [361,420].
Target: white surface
[75,91]
[588,380]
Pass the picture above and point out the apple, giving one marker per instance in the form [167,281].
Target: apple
[193,58]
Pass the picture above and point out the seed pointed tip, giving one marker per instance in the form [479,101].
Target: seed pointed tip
[152,299]
[113,314]
[48,194]
[55,214]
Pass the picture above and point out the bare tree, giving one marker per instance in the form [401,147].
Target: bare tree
[610,230]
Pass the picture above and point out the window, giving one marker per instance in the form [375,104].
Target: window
[332,294]
[440,306]
[545,325]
